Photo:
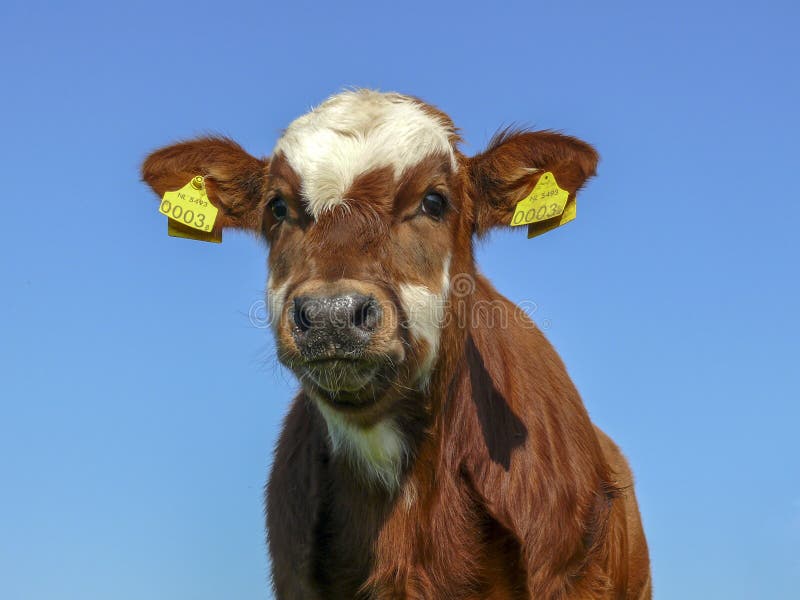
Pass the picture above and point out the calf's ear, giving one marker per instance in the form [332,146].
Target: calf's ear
[509,168]
[235,180]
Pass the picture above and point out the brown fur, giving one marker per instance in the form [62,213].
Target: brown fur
[509,491]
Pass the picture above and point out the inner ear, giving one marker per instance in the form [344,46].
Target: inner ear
[511,165]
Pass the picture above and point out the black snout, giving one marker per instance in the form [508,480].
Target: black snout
[334,326]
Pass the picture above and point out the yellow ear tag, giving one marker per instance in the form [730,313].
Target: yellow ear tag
[191,214]
[545,208]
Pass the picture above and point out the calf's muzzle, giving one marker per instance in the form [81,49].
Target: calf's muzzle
[334,327]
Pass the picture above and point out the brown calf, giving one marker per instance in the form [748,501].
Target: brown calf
[437,448]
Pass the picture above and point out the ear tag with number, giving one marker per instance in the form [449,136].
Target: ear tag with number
[546,207]
[191,214]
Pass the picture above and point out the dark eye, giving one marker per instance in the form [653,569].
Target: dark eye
[279,208]
[433,204]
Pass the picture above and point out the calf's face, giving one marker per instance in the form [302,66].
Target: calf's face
[369,209]
[364,208]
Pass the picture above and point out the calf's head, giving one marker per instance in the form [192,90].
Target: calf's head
[369,210]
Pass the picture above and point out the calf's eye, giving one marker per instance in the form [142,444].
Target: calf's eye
[279,208]
[433,204]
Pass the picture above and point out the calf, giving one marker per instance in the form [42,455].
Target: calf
[437,447]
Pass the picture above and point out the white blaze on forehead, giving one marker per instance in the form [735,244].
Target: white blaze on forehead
[425,310]
[355,132]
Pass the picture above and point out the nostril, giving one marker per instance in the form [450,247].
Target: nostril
[367,314]
[302,317]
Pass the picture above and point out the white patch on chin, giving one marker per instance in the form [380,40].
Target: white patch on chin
[276,297]
[425,311]
[355,132]
[377,451]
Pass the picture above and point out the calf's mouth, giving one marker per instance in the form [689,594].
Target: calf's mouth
[346,383]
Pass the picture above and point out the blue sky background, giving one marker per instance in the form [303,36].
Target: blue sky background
[139,406]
